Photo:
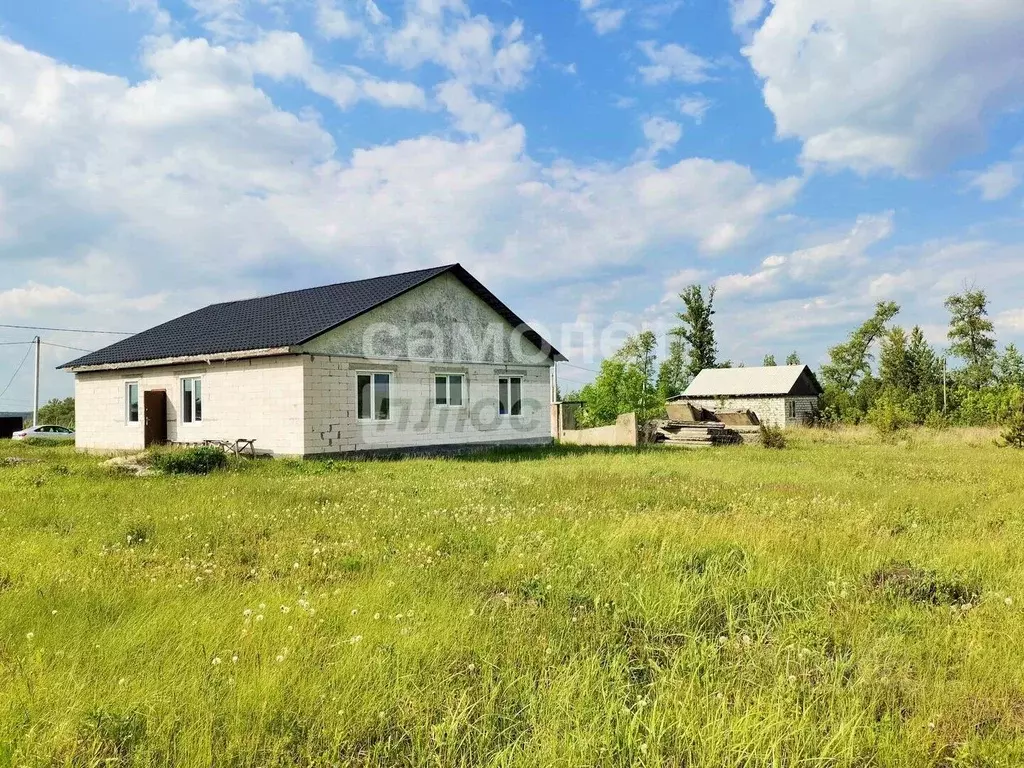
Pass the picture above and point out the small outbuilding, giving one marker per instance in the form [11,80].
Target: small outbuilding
[782,396]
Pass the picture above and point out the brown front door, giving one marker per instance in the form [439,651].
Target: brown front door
[155,412]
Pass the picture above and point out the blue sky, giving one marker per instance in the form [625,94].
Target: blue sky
[585,158]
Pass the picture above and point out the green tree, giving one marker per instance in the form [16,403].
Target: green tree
[793,359]
[849,385]
[1010,368]
[601,398]
[925,371]
[972,337]
[625,383]
[672,379]
[894,362]
[698,328]
[769,361]
[851,360]
[639,353]
[59,412]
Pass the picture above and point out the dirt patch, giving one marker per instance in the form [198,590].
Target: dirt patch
[910,582]
[134,466]
[16,461]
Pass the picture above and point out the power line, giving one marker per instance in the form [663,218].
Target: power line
[16,371]
[13,343]
[64,330]
[65,346]
[580,367]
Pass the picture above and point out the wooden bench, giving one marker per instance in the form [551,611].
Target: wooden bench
[243,446]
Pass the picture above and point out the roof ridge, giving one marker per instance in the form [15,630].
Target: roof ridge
[438,269]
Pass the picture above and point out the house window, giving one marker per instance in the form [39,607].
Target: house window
[448,390]
[510,396]
[373,395]
[791,408]
[131,397]
[191,400]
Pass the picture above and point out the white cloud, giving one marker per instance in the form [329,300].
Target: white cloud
[33,298]
[908,86]
[161,18]
[607,20]
[222,18]
[472,48]
[603,19]
[654,15]
[745,13]
[694,106]
[673,62]
[284,55]
[998,180]
[661,134]
[1011,320]
[815,265]
[471,115]
[335,23]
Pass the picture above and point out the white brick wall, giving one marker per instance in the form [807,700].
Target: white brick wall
[260,398]
[297,405]
[331,415]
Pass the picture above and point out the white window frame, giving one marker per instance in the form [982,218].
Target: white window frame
[373,418]
[448,390]
[128,401]
[791,409]
[508,384]
[181,399]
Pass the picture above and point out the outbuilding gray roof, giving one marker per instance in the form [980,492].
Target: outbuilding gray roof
[761,381]
[285,320]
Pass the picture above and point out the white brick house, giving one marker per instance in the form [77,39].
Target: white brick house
[421,360]
[782,396]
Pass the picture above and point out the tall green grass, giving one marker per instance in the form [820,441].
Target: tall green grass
[843,602]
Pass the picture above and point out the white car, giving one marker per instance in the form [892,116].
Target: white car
[45,432]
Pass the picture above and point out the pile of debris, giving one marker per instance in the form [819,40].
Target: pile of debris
[692,426]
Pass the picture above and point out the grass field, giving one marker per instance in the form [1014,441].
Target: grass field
[844,602]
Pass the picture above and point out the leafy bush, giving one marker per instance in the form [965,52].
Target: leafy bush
[1013,433]
[993,405]
[191,461]
[889,417]
[772,437]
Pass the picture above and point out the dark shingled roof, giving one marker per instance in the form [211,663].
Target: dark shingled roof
[284,320]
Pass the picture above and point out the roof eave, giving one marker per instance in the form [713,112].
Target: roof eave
[181,360]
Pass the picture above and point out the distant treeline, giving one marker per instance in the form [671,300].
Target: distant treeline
[912,383]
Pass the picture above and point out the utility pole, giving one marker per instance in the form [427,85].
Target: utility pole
[35,386]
